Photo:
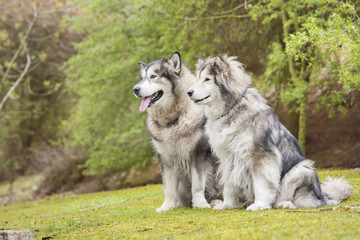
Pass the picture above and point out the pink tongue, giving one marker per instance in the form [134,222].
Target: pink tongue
[144,104]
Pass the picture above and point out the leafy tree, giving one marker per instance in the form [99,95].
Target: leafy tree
[32,98]
[319,36]
[106,122]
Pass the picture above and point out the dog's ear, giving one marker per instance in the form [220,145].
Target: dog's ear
[200,61]
[142,65]
[223,59]
[175,62]
[215,67]
[220,65]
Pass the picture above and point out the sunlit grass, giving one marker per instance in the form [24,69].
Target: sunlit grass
[131,214]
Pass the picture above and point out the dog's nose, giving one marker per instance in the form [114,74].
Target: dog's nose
[136,90]
[190,92]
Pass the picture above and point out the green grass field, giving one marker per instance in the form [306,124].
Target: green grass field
[131,214]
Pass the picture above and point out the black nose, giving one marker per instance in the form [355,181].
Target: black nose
[190,92]
[136,90]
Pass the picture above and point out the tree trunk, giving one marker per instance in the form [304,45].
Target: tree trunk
[286,36]
[292,121]
[294,75]
[303,122]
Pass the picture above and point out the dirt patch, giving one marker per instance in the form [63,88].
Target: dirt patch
[334,143]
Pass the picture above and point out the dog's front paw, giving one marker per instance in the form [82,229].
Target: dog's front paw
[215,202]
[286,204]
[246,204]
[222,206]
[257,207]
[201,205]
[162,209]
[166,207]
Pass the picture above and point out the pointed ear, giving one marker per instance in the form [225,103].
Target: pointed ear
[200,62]
[222,58]
[220,64]
[215,66]
[175,62]
[142,65]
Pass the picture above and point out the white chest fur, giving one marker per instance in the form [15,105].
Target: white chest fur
[176,145]
[232,144]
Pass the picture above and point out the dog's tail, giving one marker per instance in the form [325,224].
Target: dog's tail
[336,189]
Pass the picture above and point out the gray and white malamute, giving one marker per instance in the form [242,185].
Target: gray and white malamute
[261,163]
[176,126]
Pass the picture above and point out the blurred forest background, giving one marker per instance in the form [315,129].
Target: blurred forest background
[70,123]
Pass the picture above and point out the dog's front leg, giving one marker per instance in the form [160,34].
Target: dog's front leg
[265,185]
[171,184]
[231,197]
[198,182]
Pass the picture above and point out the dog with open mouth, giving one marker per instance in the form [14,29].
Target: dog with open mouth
[176,127]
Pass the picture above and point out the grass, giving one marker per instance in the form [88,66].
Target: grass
[131,214]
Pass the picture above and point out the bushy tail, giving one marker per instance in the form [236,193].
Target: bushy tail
[337,190]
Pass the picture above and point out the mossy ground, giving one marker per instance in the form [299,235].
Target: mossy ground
[131,214]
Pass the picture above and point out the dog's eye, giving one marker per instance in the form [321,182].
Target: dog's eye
[153,76]
[207,79]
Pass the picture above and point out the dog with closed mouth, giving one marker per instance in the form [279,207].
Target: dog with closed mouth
[261,163]
[176,126]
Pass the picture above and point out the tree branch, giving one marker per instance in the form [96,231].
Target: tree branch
[199,19]
[23,113]
[215,17]
[66,10]
[9,5]
[22,44]
[53,90]
[228,11]
[28,59]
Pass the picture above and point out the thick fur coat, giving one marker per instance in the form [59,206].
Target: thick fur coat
[261,163]
[176,126]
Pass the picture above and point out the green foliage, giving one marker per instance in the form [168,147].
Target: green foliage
[323,40]
[31,118]
[277,69]
[105,121]
[331,43]
[130,214]
[319,37]
[102,74]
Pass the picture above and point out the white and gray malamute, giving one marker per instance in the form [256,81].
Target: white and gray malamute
[261,163]
[176,126]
